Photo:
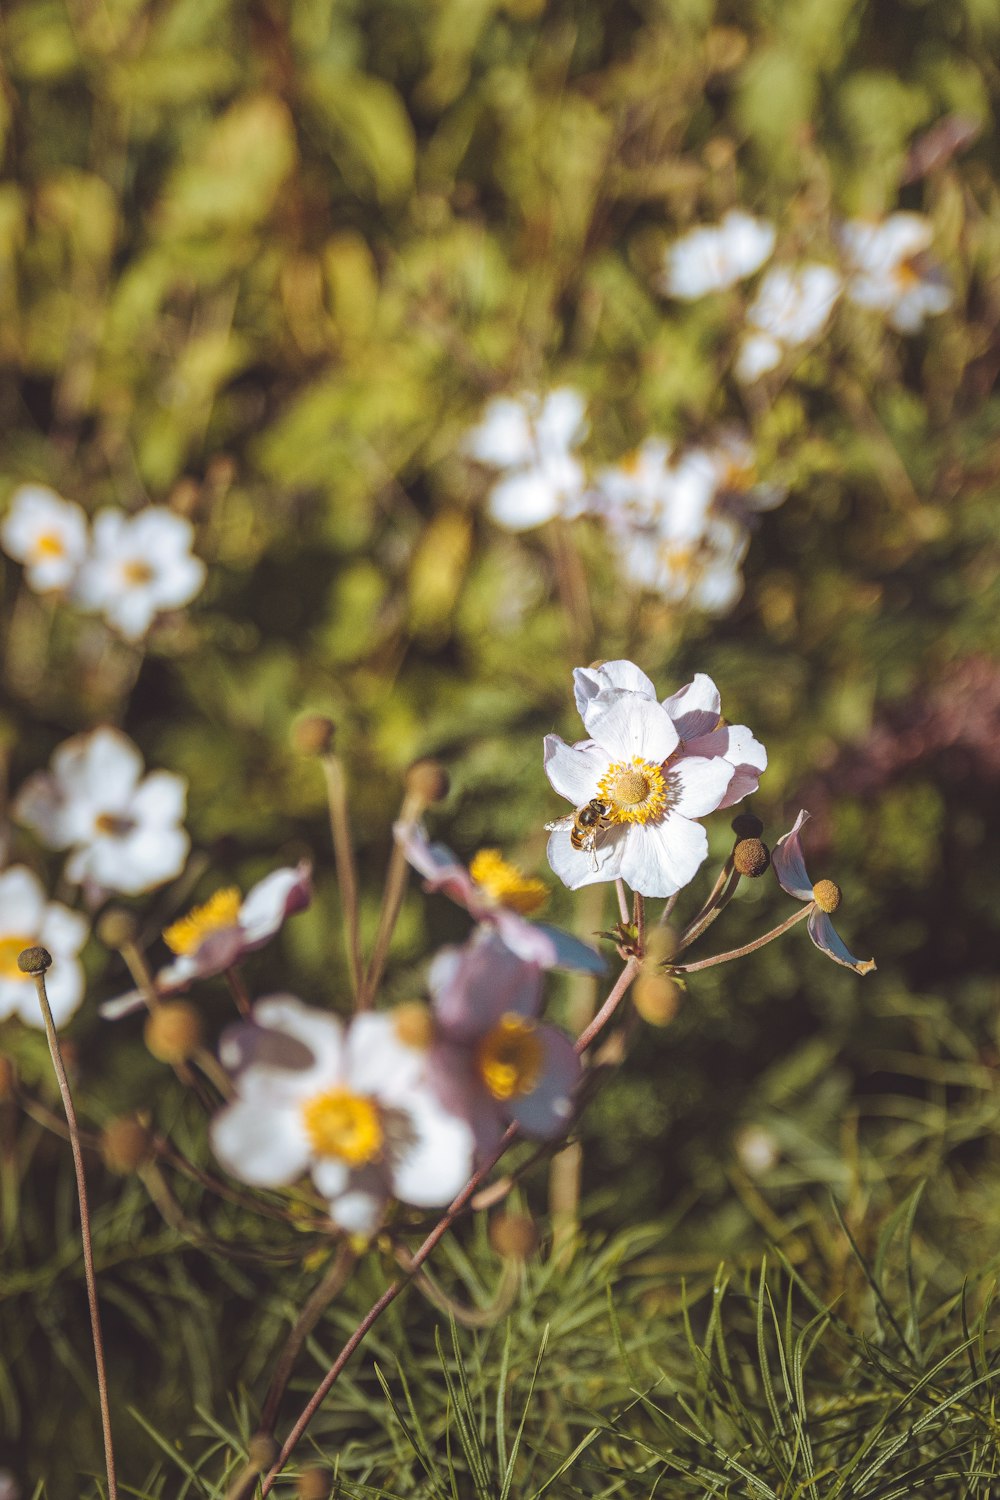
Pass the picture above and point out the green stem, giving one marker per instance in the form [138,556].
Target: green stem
[724,958]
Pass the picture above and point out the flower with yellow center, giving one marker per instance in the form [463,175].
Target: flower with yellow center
[47,534]
[505,884]
[343,1125]
[788,863]
[27,919]
[221,910]
[892,271]
[635,791]
[510,1057]
[138,566]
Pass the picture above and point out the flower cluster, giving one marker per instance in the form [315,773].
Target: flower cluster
[128,569]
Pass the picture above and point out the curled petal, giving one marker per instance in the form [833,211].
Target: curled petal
[788,863]
[625,676]
[826,937]
[699,785]
[695,709]
[473,986]
[442,870]
[545,1113]
[278,896]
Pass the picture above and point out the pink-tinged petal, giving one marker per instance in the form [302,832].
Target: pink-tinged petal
[695,709]
[473,986]
[455,1080]
[436,1162]
[267,905]
[735,743]
[698,785]
[442,870]
[622,675]
[266,1147]
[627,725]
[661,858]
[549,947]
[545,1113]
[580,867]
[122,1005]
[788,863]
[219,950]
[826,937]
[574,770]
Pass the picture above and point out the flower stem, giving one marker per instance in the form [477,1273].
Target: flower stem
[332,1282]
[41,958]
[343,853]
[622,901]
[719,896]
[396,877]
[724,958]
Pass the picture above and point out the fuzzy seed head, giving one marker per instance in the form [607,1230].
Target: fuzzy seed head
[117,927]
[262,1450]
[746,826]
[428,780]
[34,960]
[125,1145]
[514,1236]
[173,1032]
[826,895]
[656,997]
[751,857]
[313,735]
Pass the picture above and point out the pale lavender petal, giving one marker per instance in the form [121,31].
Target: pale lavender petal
[549,947]
[442,870]
[631,726]
[826,937]
[545,1113]
[661,858]
[788,863]
[456,1082]
[473,986]
[574,770]
[698,785]
[695,709]
[267,905]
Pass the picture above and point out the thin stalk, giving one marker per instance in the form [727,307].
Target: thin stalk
[717,896]
[396,877]
[42,959]
[639,919]
[668,910]
[239,992]
[769,937]
[333,1281]
[343,853]
[622,902]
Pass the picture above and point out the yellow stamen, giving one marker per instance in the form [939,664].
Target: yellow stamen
[510,1057]
[635,791]
[10,947]
[343,1125]
[137,573]
[49,544]
[187,934]
[907,275]
[505,884]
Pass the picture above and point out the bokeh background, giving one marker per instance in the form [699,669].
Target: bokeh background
[265,263]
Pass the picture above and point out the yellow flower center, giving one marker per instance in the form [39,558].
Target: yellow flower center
[413,1025]
[907,275]
[505,884]
[635,791]
[137,573]
[344,1125]
[49,544]
[510,1057]
[738,476]
[10,947]
[187,934]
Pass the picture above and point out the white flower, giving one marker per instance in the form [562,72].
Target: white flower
[27,919]
[47,534]
[714,257]
[890,272]
[138,566]
[649,795]
[357,1113]
[532,437]
[123,832]
[791,307]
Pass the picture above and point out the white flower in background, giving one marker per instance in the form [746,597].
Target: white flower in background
[47,534]
[703,573]
[890,272]
[792,306]
[715,257]
[649,795]
[732,462]
[123,830]
[532,437]
[28,919]
[357,1112]
[138,566]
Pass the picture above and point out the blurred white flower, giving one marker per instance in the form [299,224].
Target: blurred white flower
[124,831]
[357,1112]
[27,918]
[47,534]
[890,272]
[717,256]
[791,307]
[532,437]
[139,565]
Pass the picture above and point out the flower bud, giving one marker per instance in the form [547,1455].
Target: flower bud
[826,895]
[313,1484]
[313,735]
[413,1024]
[428,780]
[661,945]
[117,927]
[514,1236]
[656,997]
[747,826]
[125,1145]
[173,1032]
[34,960]
[751,857]
[262,1450]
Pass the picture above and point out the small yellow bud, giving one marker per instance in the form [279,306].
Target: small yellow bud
[173,1032]
[34,960]
[262,1450]
[514,1236]
[125,1145]
[826,895]
[117,927]
[656,997]
[413,1024]
[746,826]
[313,735]
[661,945]
[751,857]
[428,780]
[313,1484]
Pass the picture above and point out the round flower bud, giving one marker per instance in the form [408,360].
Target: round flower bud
[661,945]
[413,1024]
[173,1032]
[125,1145]
[117,927]
[751,857]
[262,1450]
[8,1077]
[746,826]
[313,1484]
[428,780]
[826,895]
[514,1236]
[34,960]
[656,997]
[313,735]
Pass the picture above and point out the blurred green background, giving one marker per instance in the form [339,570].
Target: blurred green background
[265,263]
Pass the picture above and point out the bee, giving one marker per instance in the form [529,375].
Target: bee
[586,825]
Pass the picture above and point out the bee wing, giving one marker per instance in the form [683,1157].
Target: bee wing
[561,823]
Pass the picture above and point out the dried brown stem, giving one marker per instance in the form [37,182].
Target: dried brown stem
[343,853]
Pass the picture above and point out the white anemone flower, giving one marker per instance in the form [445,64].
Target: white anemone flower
[714,257]
[47,534]
[123,830]
[648,795]
[890,271]
[353,1108]
[532,437]
[138,566]
[28,919]
[792,307]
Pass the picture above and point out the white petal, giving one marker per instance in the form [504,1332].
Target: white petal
[139,862]
[322,1033]
[330,1176]
[573,771]
[624,676]
[504,438]
[376,1060]
[578,867]
[438,1163]
[525,499]
[629,725]
[63,932]
[101,767]
[271,900]
[22,903]
[758,353]
[699,784]
[265,1146]
[661,858]
[561,423]
[358,1211]
[695,708]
